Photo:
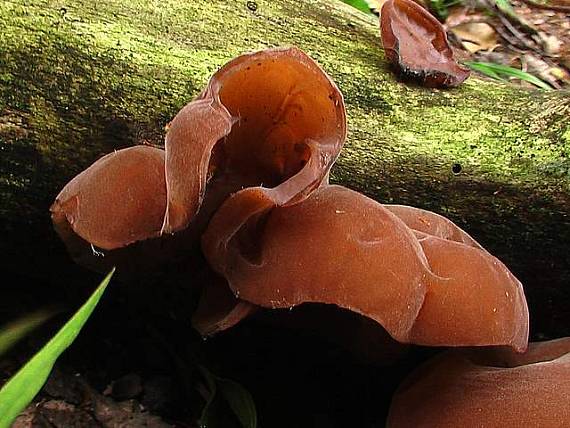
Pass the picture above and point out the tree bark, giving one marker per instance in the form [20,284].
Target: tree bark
[78,81]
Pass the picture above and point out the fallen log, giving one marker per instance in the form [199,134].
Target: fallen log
[79,81]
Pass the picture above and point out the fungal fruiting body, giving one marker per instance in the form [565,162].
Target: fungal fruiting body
[244,177]
[271,118]
[490,388]
[265,119]
[416,44]
[118,200]
[340,247]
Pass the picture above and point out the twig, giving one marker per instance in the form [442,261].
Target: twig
[554,7]
[519,35]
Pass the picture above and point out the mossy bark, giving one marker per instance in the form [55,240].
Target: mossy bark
[78,80]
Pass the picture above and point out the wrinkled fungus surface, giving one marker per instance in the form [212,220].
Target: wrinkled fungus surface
[245,174]
[491,388]
[340,247]
[265,119]
[416,45]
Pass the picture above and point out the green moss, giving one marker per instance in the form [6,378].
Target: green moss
[79,79]
[139,62]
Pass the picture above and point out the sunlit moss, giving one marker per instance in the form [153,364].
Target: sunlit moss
[115,72]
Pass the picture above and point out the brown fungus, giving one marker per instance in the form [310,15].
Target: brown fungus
[118,200]
[491,388]
[452,311]
[472,299]
[268,127]
[340,247]
[271,118]
[416,45]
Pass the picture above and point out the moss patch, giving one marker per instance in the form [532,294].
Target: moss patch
[79,79]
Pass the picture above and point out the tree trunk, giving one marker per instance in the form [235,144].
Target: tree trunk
[81,80]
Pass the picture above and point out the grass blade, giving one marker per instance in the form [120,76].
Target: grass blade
[21,389]
[236,396]
[359,4]
[240,401]
[13,332]
[496,71]
[484,69]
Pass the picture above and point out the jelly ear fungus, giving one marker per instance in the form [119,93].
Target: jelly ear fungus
[339,247]
[416,44]
[118,200]
[279,124]
[246,171]
[488,387]
[272,119]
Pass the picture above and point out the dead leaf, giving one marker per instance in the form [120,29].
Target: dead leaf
[550,43]
[545,71]
[476,36]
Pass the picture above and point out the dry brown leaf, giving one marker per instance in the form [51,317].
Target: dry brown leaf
[553,75]
[476,36]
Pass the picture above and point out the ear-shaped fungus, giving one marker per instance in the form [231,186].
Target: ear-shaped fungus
[473,299]
[264,119]
[491,388]
[456,259]
[416,44]
[269,127]
[289,125]
[271,118]
[118,200]
[340,247]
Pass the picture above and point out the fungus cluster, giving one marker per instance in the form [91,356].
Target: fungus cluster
[244,176]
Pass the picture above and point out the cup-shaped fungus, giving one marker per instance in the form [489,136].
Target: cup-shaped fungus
[416,45]
[269,127]
[118,200]
[271,118]
[274,117]
[491,388]
[340,247]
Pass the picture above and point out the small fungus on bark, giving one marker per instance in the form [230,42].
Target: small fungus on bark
[488,387]
[416,45]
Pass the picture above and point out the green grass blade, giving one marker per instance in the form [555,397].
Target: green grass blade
[506,7]
[21,389]
[359,4]
[236,396]
[498,70]
[13,332]
[240,401]
[483,69]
